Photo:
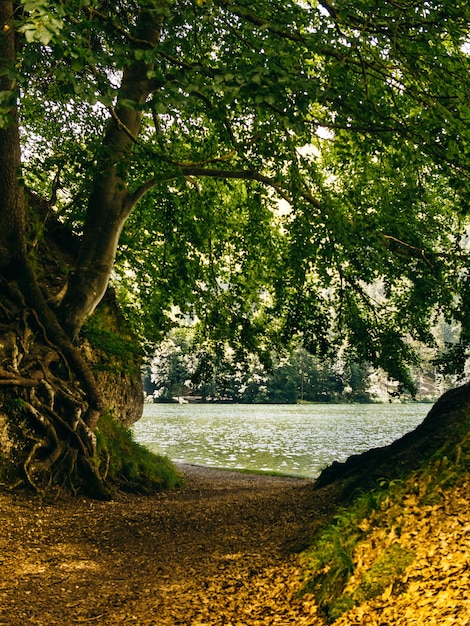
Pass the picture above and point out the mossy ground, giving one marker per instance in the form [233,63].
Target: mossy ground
[130,466]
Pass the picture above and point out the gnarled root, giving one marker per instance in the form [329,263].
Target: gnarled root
[48,408]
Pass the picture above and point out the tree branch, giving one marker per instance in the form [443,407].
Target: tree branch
[328,6]
[239,174]
[139,193]
[406,249]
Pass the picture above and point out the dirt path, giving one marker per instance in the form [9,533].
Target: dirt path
[223,550]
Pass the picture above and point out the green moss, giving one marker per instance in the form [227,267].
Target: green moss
[389,566]
[129,465]
[331,556]
[328,586]
[339,606]
[14,406]
[115,349]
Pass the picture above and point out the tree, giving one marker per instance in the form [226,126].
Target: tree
[258,168]
[172,366]
[182,366]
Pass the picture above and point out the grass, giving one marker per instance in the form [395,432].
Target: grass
[257,472]
[330,558]
[130,466]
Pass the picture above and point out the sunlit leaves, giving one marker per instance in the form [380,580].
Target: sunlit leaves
[44,22]
[366,246]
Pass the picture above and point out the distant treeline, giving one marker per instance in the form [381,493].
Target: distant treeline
[179,370]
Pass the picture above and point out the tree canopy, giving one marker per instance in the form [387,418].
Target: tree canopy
[271,170]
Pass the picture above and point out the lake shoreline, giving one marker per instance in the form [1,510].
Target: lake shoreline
[294,440]
[196,469]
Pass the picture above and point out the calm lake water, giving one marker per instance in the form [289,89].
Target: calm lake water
[295,439]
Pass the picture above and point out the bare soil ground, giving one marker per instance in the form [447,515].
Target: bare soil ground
[221,550]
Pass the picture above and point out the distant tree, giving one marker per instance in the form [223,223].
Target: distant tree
[172,366]
[356,379]
[319,379]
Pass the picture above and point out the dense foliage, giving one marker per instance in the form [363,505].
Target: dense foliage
[272,171]
[355,114]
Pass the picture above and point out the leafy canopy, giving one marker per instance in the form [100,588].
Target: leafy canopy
[305,164]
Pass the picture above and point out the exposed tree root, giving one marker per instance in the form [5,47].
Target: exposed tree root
[42,387]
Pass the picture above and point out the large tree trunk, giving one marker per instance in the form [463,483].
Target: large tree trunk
[110,202]
[12,242]
[49,399]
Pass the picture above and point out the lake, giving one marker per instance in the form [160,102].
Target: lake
[297,439]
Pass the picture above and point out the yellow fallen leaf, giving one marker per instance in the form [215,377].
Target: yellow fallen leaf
[388,592]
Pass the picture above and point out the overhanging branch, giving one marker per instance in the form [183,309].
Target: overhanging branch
[203,172]
[406,249]
[237,174]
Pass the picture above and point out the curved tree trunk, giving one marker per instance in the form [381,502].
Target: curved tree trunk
[50,401]
[110,202]
[48,393]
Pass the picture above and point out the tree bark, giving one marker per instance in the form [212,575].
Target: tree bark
[27,376]
[12,201]
[49,397]
[110,202]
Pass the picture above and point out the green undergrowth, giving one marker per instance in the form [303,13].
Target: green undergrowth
[128,465]
[384,570]
[333,574]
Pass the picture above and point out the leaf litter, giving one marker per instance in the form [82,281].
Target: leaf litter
[222,551]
